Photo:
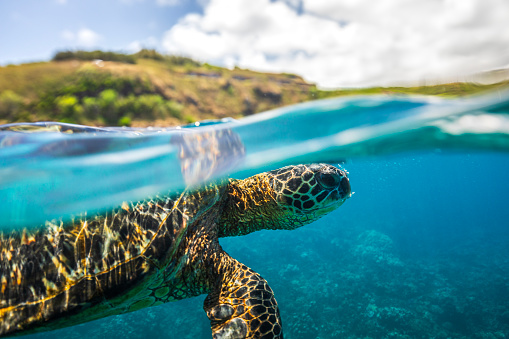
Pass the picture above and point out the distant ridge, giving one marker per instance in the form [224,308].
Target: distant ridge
[151,89]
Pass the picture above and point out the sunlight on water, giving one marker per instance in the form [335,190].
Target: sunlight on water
[69,169]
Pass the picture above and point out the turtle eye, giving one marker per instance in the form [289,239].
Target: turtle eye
[328,180]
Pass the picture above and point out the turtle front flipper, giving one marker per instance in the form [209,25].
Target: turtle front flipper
[241,304]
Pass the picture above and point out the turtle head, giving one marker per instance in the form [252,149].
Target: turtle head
[286,198]
[308,192]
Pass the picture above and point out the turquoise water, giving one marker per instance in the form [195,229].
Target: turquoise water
[421,250]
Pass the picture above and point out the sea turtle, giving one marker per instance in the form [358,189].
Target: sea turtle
[162,249]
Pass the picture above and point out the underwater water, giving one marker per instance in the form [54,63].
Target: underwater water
[421,250]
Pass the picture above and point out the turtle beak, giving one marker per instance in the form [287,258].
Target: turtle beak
[345,191]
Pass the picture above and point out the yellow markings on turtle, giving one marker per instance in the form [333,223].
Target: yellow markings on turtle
[80,245]
[146,266]
[58,265]
[50,286]
[138,228]
[81,272]
[127,254]
[69,284]
[24,238]
[16,274]
[32,290]
[109,236]
[4,284]
[161,292]
[163,215]
[31,239]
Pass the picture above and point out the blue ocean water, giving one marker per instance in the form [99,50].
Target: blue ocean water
[421,249]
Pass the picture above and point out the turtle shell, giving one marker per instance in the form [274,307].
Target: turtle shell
[125,259]
[138,255]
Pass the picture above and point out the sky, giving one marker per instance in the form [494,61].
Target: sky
[334,43]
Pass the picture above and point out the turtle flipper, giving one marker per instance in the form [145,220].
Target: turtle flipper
[241,303]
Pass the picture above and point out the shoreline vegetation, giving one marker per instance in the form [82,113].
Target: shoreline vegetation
[150,89]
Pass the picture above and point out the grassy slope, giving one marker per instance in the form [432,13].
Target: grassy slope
[451,90]
[179,93]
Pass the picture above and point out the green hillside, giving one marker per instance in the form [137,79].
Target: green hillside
[150,89]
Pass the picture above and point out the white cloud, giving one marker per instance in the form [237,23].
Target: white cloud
[82,38]
[61,2]
[87,37]
[349,42]
[168,2]
[134,46]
